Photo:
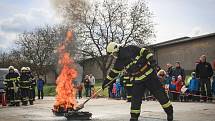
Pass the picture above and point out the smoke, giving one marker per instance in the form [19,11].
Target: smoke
[70,10]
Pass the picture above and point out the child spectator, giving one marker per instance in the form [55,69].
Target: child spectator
[184,94]
[194,87]
[114,90]
[80,89]
[172,88]
[161,76]
[179,83]
[168,80]
[118,88]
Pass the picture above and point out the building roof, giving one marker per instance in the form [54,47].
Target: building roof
[182,39]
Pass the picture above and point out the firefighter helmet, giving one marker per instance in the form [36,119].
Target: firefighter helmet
[11,68]
[28,68]
[23,69]
[113,47]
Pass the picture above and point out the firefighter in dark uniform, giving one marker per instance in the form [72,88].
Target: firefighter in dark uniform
[33,84]
[25,84]
[11,82]
[128,87]
[138,63]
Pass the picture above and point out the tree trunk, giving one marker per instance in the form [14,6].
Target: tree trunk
[104,73]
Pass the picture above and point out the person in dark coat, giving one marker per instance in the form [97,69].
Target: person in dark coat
[169,69]
[213,86]
[40,84]
[178,70]
[87,86]
[204,71]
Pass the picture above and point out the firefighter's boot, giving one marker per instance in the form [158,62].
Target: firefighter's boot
[17,103]
[133,119]
[169,112]
[24,103]
[31,102]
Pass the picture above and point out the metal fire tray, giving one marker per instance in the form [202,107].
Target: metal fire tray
[78,115]
[59,112]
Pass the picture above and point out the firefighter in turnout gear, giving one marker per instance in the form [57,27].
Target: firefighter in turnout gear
[12,85]
[128,87]
[138,63]
[32,86]
[25,84]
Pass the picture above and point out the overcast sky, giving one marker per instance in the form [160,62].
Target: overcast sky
[173,18]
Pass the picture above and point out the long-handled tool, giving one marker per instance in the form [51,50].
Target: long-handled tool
[79,107]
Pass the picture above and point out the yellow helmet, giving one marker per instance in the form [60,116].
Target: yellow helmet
[23,69]
[113,47]
[28,68]
[11,68]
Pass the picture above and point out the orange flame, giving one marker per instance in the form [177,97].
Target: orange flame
[66,93]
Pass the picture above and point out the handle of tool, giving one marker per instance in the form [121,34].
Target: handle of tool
[97,92]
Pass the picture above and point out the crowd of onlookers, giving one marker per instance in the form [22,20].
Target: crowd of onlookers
[196,87]
[199,85]
[88,84]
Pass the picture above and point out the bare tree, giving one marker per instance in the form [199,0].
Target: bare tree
[37,47]
[4,59]
[12,58]
[111,20]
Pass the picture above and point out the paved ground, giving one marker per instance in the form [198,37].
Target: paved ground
[111,110]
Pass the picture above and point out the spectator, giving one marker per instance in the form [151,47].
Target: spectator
[179,83]
[40,84]
[110,93]
[114,90]
[80,89]
[194,87]
[184,94]
[162,76]
[214,65]
[204,72]
[118,88]
[169,69]
[123,92]
[158,68]
[178,70]
[87,85]
[168,80]
[92,84]
[213,86]
[172,87]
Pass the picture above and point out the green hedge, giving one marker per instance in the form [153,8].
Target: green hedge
[49,89]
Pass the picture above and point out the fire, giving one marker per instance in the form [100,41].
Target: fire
[65,98]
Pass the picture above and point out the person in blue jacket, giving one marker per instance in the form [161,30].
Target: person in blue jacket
[40,84]
[194,87]
[118,88]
